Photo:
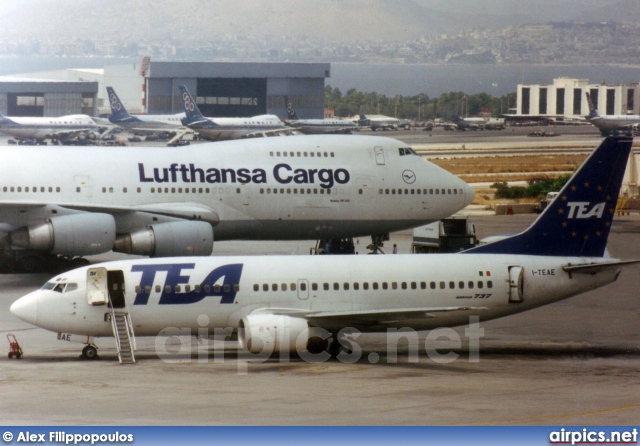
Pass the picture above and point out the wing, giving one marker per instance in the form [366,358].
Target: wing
[16,214]
[65,134]
[368,317]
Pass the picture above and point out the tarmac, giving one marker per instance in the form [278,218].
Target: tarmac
[575,362]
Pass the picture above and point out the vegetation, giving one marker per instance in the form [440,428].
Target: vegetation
[536,189]
[420,107]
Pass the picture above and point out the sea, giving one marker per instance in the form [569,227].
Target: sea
[392,79]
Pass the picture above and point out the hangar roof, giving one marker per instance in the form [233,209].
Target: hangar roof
[10,84]
[238,70]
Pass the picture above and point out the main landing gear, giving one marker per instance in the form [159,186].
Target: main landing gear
[89,352]
[377,242]
[331,345]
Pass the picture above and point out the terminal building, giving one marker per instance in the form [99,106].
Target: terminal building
[566,98]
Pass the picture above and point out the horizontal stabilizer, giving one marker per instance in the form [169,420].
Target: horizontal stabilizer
[592,268]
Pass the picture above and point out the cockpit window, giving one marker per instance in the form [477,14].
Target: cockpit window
[60,287]
[407,151]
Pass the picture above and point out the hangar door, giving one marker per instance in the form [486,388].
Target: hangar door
[25,104]
[224,97]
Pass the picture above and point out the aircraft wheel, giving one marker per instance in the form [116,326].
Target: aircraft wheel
[89,352]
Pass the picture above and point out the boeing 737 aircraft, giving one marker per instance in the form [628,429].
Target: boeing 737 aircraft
[163,201]
[608,123]
[317,126]
[144,124]
[55,129]
[378,122]
[296,303]
[231,128]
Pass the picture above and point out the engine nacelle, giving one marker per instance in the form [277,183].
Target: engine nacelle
[270,333]
[180,238]
[69,235]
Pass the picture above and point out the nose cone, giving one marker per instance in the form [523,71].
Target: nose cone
[469,194]
[26,308]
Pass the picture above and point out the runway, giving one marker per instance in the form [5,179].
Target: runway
[574,362]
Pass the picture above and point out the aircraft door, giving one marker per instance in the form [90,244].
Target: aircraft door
[516,284]
[97,288]
[379,152]
[115,280]
[303,289]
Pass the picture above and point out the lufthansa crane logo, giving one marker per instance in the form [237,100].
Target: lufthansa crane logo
[409,177]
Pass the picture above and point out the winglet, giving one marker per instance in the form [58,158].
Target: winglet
[578,221]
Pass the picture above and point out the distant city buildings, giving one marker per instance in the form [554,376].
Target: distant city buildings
[552,43]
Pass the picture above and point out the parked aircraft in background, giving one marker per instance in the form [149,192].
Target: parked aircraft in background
[59,129]
[317,126]
[314,303]
[378,122]
[608,123]
[495,124]
[231,128]
[171,125]
[468,123]
[161,201]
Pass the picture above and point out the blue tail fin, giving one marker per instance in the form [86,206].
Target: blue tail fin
[362,116]
[577,222]
[593,113]
[192,112]
[119,114]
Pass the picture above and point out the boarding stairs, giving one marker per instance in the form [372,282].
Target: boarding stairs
[123,333]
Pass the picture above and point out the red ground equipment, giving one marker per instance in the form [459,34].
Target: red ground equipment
[14,347]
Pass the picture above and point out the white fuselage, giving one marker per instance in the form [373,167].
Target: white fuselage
[42,128]
[613,122]
[322,126]
[301,187]
[236,128]
[417,291]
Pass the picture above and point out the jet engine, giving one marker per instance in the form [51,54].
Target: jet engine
[68,235]
[181,238]
[271,333]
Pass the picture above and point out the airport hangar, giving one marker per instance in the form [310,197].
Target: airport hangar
[47,98]
[226,89]
[222,89]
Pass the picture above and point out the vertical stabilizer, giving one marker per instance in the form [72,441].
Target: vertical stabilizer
[577,222]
